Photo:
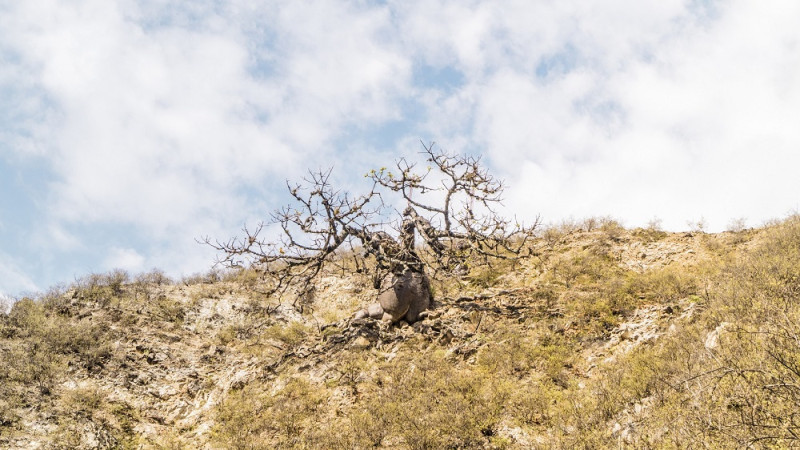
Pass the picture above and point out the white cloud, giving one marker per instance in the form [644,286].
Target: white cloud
[165,114]
[5,303]
[126,259]
[153,120]
[13,279]
[54,236]
[168,121]
[650,109]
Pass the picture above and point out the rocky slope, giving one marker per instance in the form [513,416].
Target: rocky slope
[600,339]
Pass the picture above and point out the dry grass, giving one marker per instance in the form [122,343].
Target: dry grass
[604,338]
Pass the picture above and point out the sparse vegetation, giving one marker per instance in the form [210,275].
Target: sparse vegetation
[608,338]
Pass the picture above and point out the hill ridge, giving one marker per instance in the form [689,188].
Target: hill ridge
[581,344]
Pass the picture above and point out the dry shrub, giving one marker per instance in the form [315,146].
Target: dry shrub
[254,418]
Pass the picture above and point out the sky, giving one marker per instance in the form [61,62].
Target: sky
[129,129]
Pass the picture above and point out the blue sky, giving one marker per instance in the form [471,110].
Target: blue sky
[130,128]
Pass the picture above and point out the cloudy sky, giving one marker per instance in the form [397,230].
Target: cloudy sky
[130,128]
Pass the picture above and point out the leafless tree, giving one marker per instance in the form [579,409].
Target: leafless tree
[450,204]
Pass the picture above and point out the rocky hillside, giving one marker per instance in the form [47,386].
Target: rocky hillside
[604,337]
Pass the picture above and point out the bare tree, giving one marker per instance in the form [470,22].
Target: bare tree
[450,204]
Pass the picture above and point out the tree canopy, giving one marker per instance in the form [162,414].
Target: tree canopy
[451,204]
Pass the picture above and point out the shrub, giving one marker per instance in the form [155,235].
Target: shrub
[291,334]
[251,417]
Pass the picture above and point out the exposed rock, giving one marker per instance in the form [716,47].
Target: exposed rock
[361,343]
[167,377]
[712,338]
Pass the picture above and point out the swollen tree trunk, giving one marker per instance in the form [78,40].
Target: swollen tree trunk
[402,297]
[406,292]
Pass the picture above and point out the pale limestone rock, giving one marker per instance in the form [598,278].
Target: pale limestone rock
[712,338]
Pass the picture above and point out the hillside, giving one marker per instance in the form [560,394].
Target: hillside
[604,337]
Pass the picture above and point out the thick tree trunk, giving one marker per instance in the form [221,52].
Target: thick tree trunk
[402,296]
